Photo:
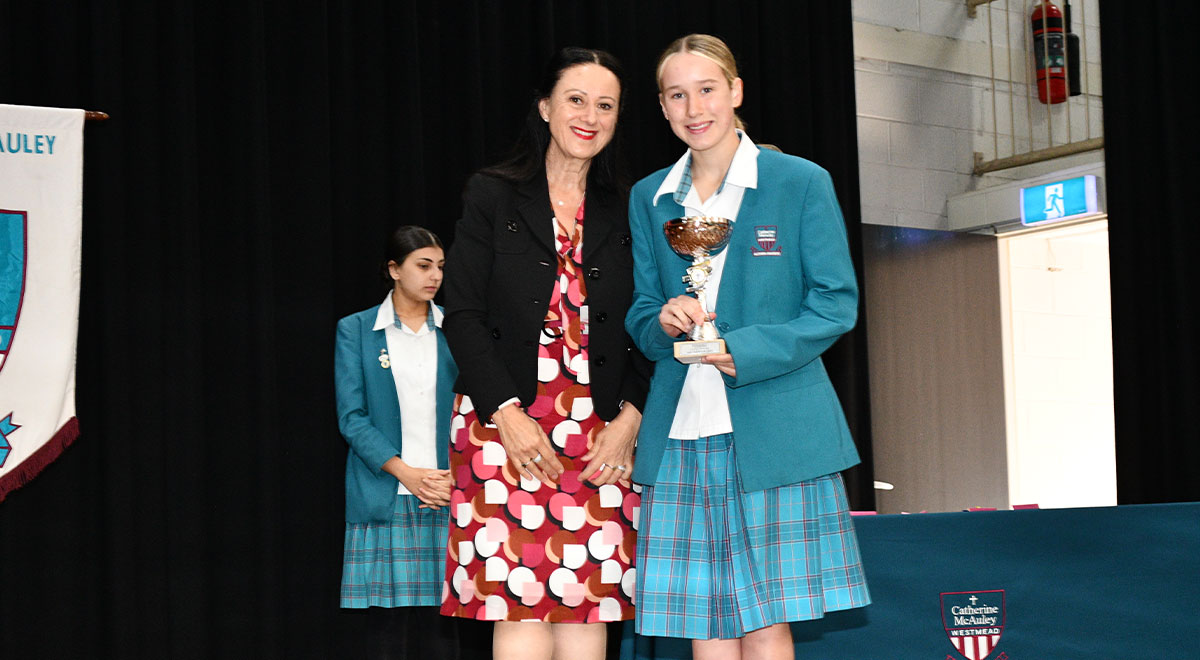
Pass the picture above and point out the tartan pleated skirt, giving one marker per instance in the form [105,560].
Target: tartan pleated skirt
[715,562]
[396,563]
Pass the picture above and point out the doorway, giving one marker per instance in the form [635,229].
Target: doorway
[1057,325]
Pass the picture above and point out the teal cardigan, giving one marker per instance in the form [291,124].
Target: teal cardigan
[369,414]
[780,307]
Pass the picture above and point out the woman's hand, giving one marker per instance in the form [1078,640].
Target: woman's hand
[680,314]
[431,486]
[611,457]
[528,448]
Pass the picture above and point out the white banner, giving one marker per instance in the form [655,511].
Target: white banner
[41,202]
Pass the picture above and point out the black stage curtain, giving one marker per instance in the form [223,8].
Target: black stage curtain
[1151,145]
[235,207]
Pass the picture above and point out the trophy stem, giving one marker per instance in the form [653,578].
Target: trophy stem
[705,331]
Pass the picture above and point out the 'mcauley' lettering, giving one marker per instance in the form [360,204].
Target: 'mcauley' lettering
[24,143]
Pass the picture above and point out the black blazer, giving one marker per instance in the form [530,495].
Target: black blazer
[500,272]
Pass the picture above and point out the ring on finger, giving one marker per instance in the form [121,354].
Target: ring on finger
[537,459]
[622,468]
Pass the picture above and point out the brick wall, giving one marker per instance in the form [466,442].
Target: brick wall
[925,101]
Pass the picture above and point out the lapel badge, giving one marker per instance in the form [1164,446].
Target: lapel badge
[384,360]
[511,225]
[766,246]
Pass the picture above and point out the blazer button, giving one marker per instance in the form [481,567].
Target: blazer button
[723,326]
[535,301]
[600,361]
[625,239]
[602,317]
[495,333]
[594,273]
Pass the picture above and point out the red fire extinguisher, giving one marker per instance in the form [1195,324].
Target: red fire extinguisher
[1049,58]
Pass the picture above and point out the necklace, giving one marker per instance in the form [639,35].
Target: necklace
[563,200]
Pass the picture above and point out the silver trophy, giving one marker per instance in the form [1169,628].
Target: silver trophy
[697,238]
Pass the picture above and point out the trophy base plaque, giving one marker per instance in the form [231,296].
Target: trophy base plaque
[690,352]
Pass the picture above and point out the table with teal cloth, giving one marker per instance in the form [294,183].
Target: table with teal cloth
[1111,582]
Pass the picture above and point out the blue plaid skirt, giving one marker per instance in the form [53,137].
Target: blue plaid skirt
[398,563]
[715,562]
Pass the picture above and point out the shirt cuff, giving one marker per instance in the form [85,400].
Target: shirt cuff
[510,402]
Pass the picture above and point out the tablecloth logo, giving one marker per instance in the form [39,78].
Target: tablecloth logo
[974,622]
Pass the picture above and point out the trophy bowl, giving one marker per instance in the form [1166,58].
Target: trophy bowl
[697,235]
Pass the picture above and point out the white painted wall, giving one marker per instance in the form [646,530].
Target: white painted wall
[926,103]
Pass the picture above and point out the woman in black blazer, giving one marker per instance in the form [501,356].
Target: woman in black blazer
[550,386]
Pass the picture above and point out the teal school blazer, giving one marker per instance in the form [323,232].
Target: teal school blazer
[369,414]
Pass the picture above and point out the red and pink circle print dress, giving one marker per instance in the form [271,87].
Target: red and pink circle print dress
[519,550]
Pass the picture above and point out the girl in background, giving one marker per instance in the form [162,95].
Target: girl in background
[394,378]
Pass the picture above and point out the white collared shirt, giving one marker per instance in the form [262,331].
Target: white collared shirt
[413,357]
[702,409]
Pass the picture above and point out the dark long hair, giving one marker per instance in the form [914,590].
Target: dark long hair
[527,158]
[403,242]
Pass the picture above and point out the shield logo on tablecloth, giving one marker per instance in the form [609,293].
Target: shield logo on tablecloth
[974,621]
[13,257]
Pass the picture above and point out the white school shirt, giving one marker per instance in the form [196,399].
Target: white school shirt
[702,409]
[414,369]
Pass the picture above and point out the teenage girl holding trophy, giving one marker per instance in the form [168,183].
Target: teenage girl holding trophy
[745,522]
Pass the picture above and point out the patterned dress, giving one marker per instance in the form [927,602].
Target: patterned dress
[519,550]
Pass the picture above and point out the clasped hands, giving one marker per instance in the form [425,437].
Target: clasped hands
[529,450]
[429,485]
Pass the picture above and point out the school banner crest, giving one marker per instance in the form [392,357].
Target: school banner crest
[41,204]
